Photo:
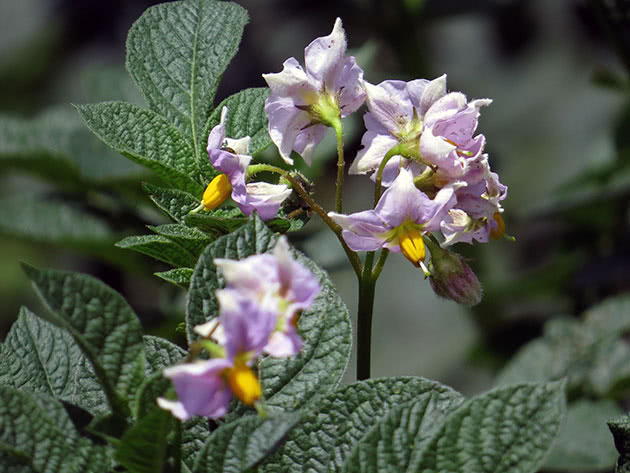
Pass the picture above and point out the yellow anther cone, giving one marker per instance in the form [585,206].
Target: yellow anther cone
[244,383]
[217,192]
[498,232]
[412,246]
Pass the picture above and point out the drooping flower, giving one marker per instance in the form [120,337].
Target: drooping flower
[205,387]
[275,280]
[304,101]
[231,158]
[477,214]
[401,216]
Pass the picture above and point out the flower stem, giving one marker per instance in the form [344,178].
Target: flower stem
[340,167]
[382,257]
[177,441]
[354,259]
[396,150]
[364,318]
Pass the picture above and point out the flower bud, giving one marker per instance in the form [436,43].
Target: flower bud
[217,192]
[243,383]
[452,278]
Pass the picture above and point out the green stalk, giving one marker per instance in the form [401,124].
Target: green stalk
[396,150]
[367,285]
[340,167]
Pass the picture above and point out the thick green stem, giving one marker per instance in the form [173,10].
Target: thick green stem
[354,259]
[340,167]
[177,441]
[367,285]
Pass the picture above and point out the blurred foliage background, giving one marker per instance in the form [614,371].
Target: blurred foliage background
[558,134]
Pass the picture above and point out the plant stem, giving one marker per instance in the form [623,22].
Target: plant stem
[354,259]
[396,150]
[364,318]
[340,167]
[382,257]
[177,441]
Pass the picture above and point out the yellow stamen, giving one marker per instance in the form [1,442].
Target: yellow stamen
[412,246]
[217,192]
[498,232]
[244,383]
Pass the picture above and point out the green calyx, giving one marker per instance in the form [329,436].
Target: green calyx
[324,110]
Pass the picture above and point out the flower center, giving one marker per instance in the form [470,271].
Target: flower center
[243,383]
[217,192]
[499,231]
[408,235]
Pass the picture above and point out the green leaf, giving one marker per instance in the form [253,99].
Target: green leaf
[509,429]
[102,324]
[239,446]
[246,117]
[584,441]
[48,220]
[325,327]
[56,145]
[160,353]
[193,240]
[179,276]
[173,202]
[609,317]
[343,418]
[176,54]
[620,429]
[160,248]
[146,138]
[218,221]
[143,447]
[37,433]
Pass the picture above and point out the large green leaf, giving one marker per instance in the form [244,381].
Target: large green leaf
[325,327]
[48,220]
[192,239]
[584,442]
[160,353]
[173,202]
[160,248]
[239,446]
[36,432]
[509,429]
[55,144]
[146,138]
[344,418]
[246,117]
[102,324]
[176,54]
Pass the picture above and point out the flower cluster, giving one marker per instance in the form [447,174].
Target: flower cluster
[259,311]
[419,143]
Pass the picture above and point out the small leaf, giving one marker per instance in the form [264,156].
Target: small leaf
[325,327]
[193,240]
[146,138]
[343,418]
[509,429]
[584,441]
[176,54]
[620,429]
[48,220]
[36,432]
[102,324]
[160,353]
[238,446]
[160,248]
[143,447]
[609,317]
[179,276]
[221,220]
[246,117]
[175,203]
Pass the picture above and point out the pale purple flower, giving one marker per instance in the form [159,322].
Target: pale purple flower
[304,100]
[230,156]
[201,389]
[274,280]
[478,211]
[402,209]
[395,115]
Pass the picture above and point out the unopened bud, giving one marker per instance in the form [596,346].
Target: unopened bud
[244,383]
[452,278]
[217,192]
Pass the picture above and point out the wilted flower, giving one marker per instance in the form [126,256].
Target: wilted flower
[230,157]
[304,101]
[400,218]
